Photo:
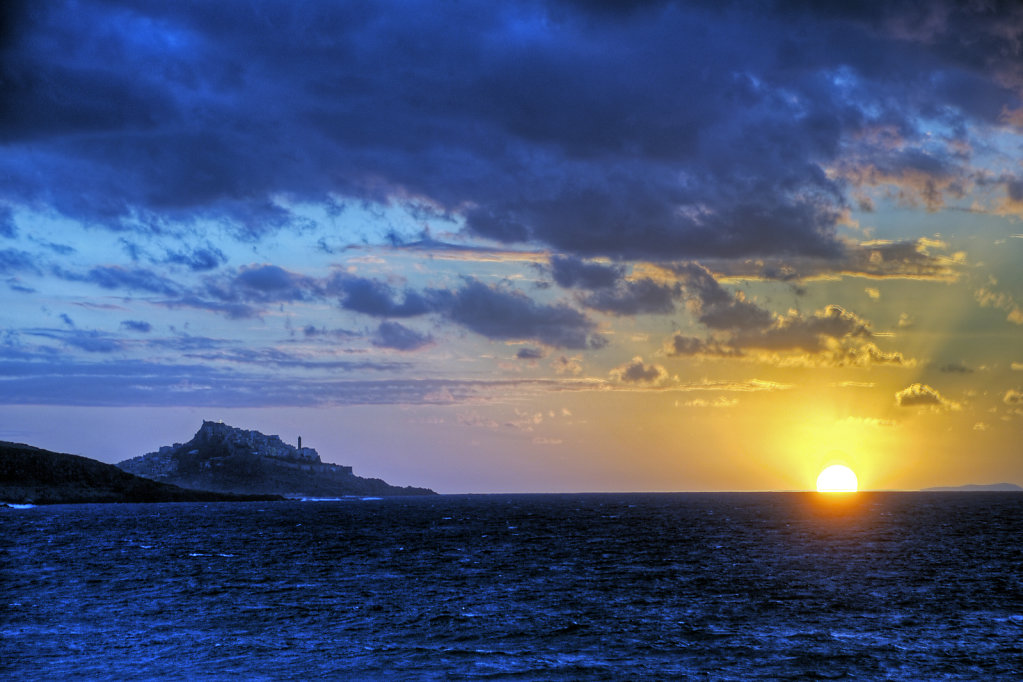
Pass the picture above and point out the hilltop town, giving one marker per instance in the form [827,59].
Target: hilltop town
[223,458]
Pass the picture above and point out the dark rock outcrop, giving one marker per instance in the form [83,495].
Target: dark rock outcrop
[36,476]
[224,458]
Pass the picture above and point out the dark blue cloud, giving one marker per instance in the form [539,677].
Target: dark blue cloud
[231,309]
[183,343]
[634,297]
[666,130]
[569,271]
[717,307]
[372,297]
[528,353]
[198,260]
[245,292]
[137,326]
[14,260]
[15,284]
[493,312]
[90,341]
[263,357]
[59,249]
[309,331]
[130,279]
[264,283]
[503,314]
[399,337]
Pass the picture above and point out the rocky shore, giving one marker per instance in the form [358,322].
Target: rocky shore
[31,475]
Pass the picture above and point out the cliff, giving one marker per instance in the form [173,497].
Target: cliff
[36,476]
[228,459]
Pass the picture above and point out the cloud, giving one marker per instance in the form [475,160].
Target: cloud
[263,283]
[14,260]
[716,307]
[198,260]
[812,334]
[638,372]
[989,298]
[130,279]
[917,177]
[955,368]
[90,341]
[567,365]
[233,310]
[529,353]
[680,345]
[495,312]
[922,395]
[440,250]
[720,401]
[263,357]
[399,337]
[505,314]
[15,284]
[1013,397]
[569,272]
[919,259]
[634,297]
[527,122]
[310,331]
[832,336]
[137,326]
[378,299]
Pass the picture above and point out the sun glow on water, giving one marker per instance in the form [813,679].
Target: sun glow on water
[837,478]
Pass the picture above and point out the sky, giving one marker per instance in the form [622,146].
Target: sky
[535,246]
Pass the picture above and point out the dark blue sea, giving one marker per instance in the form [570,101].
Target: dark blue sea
[921,586]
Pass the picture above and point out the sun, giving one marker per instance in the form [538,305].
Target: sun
[837,478]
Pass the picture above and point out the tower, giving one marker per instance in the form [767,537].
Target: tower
[300,442]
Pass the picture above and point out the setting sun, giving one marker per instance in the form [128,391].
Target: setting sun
[837,478]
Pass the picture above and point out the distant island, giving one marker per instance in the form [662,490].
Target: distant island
[976,488]
[31,475]
[226,459]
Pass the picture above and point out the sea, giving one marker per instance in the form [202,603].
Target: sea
[733,586]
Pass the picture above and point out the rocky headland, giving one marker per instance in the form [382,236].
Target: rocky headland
[227,459]
[977,488]
[30,475]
